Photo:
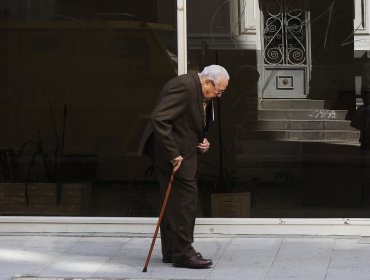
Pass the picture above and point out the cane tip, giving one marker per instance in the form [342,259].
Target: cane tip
[145,269]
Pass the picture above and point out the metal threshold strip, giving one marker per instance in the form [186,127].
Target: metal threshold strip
[204,226]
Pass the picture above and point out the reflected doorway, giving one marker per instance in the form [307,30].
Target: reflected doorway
[285,48]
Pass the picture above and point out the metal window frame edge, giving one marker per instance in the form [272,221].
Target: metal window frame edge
[181,37]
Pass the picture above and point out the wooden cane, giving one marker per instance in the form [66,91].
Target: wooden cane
[159,221]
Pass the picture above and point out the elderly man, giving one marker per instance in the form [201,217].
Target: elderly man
[176,133]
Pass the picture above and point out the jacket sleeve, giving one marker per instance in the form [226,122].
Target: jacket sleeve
[173,103]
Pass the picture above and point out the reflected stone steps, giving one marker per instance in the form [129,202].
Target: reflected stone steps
[301,114]
[303,135]
[291,104]
[289,133]
[301,143]
[297,125]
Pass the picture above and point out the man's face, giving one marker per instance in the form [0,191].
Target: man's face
[212,90]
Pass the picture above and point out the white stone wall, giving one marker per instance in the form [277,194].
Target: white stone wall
[244,23]
[362,25]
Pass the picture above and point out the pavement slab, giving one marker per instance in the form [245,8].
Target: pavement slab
[92,257]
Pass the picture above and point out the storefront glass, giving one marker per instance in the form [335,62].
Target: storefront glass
[78,80]
[297,72]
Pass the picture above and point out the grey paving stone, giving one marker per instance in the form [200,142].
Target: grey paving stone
[97,246]
[246,258]
[305,249]
[303,269]
[73,266]
[123,258]
[354,273]
[19,268]
[54,242]
[352,243]
[13,241]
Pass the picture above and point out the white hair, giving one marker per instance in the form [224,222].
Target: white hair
[215,73]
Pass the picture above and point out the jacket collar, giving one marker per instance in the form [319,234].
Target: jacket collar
[198,86]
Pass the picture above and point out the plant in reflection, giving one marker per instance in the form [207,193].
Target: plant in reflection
[51,170]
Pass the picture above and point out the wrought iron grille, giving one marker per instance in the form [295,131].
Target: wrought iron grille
[284,32]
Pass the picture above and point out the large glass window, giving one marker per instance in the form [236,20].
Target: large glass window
[79,79]
[78,82]
[284,145]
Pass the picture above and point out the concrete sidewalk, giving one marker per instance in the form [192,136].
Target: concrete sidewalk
[85,256]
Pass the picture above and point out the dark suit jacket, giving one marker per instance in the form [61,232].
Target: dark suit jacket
[176,126]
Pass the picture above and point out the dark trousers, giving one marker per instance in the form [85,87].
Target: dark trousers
[177,226]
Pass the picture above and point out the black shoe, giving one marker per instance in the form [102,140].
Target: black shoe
[195,261]
[199,255]
[167,259]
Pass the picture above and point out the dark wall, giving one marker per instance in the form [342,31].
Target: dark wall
[332,48]
[95,58]
[118,9]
